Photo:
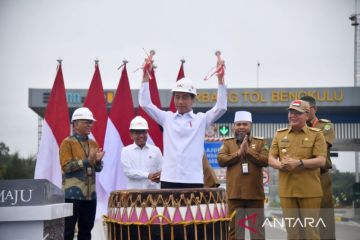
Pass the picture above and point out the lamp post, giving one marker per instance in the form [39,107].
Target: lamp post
[257,73]
[355,19]
[355,22]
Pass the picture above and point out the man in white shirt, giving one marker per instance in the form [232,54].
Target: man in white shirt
[184,132]
[141,161]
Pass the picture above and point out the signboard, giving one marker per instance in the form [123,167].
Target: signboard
[29,192]
[224,130]
[211,151]
[356,190]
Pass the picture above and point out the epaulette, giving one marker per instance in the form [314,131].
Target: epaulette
[324,120]
[228,138]
[282,129]
[260,138]
[315,129]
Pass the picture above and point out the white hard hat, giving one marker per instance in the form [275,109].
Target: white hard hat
[243,116]
[185,85]
[139,123]
[82,113]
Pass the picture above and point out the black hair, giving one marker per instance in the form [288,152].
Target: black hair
[309,99]
[192,95]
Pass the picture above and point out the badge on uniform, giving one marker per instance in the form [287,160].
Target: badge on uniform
[327,127]
[285,139]
[245,168]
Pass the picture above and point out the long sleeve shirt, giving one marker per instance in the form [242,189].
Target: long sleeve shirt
[183,137]
[138,163]
[78,176]
[239,185]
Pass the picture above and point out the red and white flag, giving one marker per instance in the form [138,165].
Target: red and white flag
[117,136]
[95,101]
[55,128]
[155,130]
[181,75]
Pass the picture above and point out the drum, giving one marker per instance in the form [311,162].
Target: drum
[168,214]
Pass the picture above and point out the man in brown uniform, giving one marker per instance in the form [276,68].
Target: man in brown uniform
[327,206]
[244,156]
[298,152]
[210,178]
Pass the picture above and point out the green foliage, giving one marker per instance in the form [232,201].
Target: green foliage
[4,150]
[342,184]
[14,167]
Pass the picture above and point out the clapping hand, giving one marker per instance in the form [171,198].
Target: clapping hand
[95,155]
[244,147]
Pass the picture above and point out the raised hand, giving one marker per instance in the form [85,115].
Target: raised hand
[219,69]
[148,65]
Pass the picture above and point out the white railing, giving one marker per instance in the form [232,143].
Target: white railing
[267,130]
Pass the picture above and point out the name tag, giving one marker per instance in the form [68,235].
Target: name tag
[245,168]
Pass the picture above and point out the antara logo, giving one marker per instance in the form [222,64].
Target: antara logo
[294,222]
[281,222]
[250,218]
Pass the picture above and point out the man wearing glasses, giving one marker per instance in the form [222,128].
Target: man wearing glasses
[142,162]
[80,158]
[299,151]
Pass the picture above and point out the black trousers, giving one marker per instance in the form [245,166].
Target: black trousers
[168,185]
[84,214]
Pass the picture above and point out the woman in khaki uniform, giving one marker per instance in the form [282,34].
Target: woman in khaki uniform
[244,157]
[298,152]
[327,205]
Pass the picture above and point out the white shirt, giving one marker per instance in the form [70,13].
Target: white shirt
[138,163]
[183,137]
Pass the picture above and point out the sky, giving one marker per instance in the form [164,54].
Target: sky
[299,43]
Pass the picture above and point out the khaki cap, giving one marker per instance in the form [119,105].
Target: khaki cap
[300,106]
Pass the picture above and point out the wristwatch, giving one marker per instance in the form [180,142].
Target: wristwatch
[301,164]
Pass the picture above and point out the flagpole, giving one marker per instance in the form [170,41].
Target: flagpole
[59,63]
[123,64]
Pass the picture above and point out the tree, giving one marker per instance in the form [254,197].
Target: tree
[4,150]
[342,184]
[14,167]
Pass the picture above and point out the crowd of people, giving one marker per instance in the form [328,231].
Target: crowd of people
[300,152]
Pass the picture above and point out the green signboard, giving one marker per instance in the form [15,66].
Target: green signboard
[223,130]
